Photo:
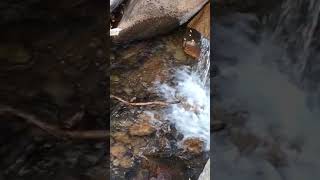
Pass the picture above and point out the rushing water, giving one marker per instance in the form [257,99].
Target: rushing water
[191,86]
[279,119]
[295,25]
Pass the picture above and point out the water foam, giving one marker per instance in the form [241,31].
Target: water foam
[191,87]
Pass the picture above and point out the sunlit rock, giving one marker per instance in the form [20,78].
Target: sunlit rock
[144,19]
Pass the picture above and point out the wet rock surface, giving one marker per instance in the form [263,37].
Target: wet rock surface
[198,27]
[145,19]
[52,66]
[193,145]
[152,143]
[141,129]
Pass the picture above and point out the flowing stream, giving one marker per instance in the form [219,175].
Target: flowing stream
[271,126]
[191,86]
[295,25]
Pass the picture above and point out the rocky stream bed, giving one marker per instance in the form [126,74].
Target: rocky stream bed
[144,144]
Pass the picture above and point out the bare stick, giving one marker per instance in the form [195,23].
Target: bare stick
[140,103]
[54,130]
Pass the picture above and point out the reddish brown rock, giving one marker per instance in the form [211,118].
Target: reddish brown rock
[193,145]
[201,22]
[198,27]
[192,48]
[141,129]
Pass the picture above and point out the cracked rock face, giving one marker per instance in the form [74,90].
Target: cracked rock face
[146,18]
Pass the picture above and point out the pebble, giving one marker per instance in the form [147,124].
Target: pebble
[128,90]
[141,129]
[114,78]
[138,142]
[118,150]
[126,162]
[116,162]
[193,145]
[121,137]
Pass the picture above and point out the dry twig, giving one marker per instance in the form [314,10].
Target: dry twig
[54,130]
[160,103]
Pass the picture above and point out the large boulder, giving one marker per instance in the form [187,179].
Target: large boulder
[145,18]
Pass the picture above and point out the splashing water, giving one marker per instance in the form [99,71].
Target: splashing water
[279,110]
[191,116]
[296,25]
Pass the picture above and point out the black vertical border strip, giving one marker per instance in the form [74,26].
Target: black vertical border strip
[107,75]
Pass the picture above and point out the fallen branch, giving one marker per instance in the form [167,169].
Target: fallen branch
[54,130]
[140,103]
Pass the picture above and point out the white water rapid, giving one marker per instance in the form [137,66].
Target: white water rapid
[191,116]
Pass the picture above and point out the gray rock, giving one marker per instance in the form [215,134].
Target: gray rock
[205,175]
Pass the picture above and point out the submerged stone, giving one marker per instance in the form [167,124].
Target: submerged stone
[198,27]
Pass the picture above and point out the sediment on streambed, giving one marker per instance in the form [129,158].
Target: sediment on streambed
[147,139]
[147,133]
